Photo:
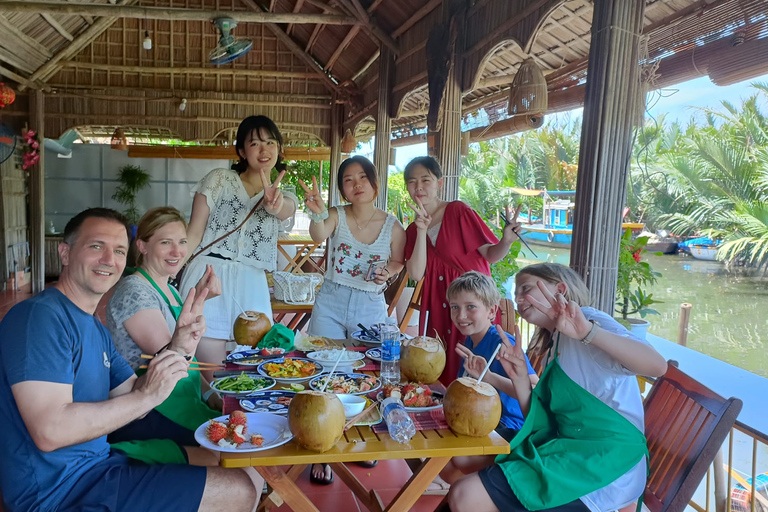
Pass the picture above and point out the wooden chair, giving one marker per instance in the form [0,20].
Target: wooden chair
[685,424]
[395,290]
[413,305]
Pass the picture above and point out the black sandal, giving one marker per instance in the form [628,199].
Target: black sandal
[320,481]
[367,463]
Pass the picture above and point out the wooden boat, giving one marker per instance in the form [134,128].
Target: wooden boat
[662,247]
[704,252]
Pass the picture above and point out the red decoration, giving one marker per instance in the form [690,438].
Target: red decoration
[32,156]
[7,95]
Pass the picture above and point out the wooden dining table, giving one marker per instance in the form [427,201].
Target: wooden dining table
[281,466]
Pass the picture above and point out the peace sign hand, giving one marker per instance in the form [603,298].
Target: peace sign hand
[423,218]
[190,326]
[473,364]
[566,315]
[512,357]
[511,230]
[273,196]
[312,196]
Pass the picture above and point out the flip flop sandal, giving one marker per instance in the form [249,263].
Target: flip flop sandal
[367,463]
[320,481]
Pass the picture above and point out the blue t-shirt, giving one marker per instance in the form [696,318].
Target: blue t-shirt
[48,338]
[511,415]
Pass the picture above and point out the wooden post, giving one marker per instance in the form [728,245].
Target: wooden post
[37,195]
[337,132]
[682,328]
[383,122]
[606,143]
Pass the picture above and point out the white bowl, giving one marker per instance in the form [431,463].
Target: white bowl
[352,404]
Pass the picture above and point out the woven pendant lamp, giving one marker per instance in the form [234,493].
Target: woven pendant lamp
[119,140]
[528,93]
[348,143]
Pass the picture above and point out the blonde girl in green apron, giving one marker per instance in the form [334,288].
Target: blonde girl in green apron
[142,316]
[582,446]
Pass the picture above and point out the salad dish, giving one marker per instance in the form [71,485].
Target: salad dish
[347,383]
[288,370]
[243,384]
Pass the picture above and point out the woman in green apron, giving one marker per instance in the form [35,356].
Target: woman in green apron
[582,446]
[142,315]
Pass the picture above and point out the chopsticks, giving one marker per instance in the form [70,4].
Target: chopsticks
[504,218]
[368,332]
[357,417]
[201,365]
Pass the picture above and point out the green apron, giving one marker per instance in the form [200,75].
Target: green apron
[184,407]
[571,444]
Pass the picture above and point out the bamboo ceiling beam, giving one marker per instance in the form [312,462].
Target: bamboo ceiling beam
[15,61]
[185,93]
[296,8]
[216,71]
[171,14]
[20,79]
[57,26]
[417,16]
[372,28]
[367,65]
[30,42]
[507,25]
[326,8]
[213,101]
[343,46]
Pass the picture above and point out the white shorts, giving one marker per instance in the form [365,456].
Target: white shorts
[338,309]
[246,284]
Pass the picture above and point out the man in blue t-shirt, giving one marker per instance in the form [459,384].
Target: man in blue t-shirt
[63,388]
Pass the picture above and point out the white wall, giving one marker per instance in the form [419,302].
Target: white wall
[89,179]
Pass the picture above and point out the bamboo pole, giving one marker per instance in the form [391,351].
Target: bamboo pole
[214,71]
[165,13]
[383,122]
[613,76]
[337,130]
[682,329]
[37,196]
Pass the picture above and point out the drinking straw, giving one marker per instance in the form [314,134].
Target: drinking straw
[426,321]
[246,315]
[328,379]
[498,347]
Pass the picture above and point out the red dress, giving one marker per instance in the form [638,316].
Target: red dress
[461,233]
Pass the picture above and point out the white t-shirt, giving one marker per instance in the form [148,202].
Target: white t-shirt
[615,386]
[255,243]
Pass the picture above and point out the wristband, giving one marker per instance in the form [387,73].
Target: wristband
[591,334]
[208,394]
[318,217]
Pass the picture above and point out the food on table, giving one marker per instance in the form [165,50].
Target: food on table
[297,387]
[316,420]
[231,433]
[290,369]
[422,359]
[332,355]
[345,384]
[285,400]
[249,330]
[272,351]
[412,394]
[472,408]
[242,383]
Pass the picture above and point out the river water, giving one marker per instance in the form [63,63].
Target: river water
[729,318]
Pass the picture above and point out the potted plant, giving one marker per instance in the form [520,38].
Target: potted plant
[132,179]
[633,277]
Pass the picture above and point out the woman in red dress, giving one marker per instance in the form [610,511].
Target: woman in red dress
[446,240]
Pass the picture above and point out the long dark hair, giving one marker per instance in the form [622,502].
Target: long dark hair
[427,162]
[247,127]
[368,168]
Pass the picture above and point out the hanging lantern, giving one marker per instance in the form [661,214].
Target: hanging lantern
[528,94]
[7,95]
[348,143]
[119,140]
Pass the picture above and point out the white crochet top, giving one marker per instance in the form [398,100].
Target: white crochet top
[255,243]
[350,258]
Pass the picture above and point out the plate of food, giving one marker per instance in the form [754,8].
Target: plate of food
[254,357]
[330,356]
[242,432]
[374,354]
[289,370]
[347,383]
[415,397]
[275,401]
[243,384]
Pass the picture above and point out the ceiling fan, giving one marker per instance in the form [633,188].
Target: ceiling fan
[229,47]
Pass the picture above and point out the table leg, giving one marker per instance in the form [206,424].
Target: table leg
[274,499]
[369,498]
[418,483]
[287,489]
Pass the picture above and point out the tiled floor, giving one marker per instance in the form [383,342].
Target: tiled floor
[389,476]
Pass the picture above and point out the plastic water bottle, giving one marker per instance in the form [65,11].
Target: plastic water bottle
[390,352]
[400,425]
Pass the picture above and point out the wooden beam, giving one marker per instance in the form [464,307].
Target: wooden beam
[367,65]
[415,79]
[313,37]
[215,71]
[417,16]
[176,98]
[222,152]
[57,26]
[171,14]
[510,23]
[13,76]
[296,8]
[343,46]
[381,146]
[30,42]
[15,61]
[372,28]
[326,8]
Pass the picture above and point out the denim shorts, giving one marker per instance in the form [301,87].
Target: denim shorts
[338,309]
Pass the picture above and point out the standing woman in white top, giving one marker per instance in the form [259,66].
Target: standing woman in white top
[222,199]
[365,250]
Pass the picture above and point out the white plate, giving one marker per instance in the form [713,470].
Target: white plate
[236,357]
[291,380]
[273,427]
[349,357]
[214,384]
[374,354]
[267,402]
[380,398]
[316,384]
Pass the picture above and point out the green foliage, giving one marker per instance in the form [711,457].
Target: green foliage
[398,197]
[634,274]
[132,180]
[304,170]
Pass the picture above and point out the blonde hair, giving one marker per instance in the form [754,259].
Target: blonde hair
[477,284]
[153,220]
[576,291]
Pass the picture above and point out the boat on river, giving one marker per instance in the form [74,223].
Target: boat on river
[702,248]
[555,227]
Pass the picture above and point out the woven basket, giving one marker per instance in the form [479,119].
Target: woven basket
[297,289]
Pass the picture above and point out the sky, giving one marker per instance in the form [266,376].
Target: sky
[679,103]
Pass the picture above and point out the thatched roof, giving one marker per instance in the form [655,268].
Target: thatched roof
[96,74]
